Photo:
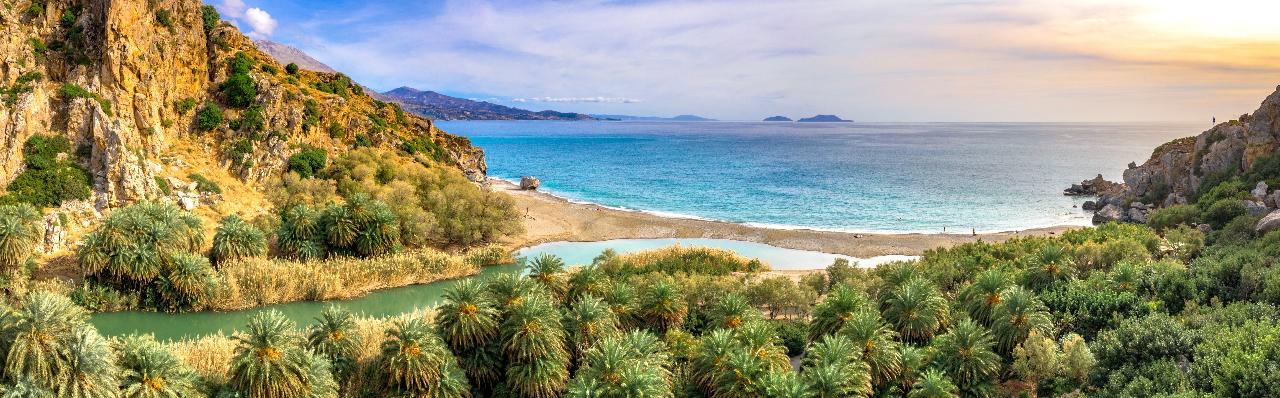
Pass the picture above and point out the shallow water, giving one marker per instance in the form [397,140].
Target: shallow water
[405,299]
[882,177]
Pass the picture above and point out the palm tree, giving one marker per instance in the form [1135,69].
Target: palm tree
[833,367]
[415,362]
[914,361]
[334,336]
[26,389]
[1015,318]
[588,280]
[20,230]
[933,384]
[1124,276]
[785,385]
[622,302]
[833,312]
[587,322]
[533,341]
[663,307]
[300,235]
[468,321]
[236,239]
[151,371]
[1053,265]
[879,345]
[39,338]
[744,374]
[631,365]
[91,370]
[320,376]
[187,282]
[509,290]
[732,311]
[548,269]
[965,353]
[982,296]
[713,350]
[916,309]
[270,362]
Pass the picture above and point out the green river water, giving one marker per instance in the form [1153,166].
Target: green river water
[405,299]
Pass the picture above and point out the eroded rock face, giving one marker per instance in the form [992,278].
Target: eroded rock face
[1176,169]
[137,70]
[529,183]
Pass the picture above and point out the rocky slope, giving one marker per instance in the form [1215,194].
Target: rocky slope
[1176,170]
[147,66]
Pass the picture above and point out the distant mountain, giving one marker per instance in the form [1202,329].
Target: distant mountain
[824,118]
[439,106]
[777,119]
[680,118]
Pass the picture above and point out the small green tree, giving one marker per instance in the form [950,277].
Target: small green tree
[209,117]
[291,68]
[236,239]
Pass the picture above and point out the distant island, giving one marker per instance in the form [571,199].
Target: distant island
[680,118]
[778,119]
[824,118]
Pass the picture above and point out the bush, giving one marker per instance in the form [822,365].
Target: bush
[48,181]
[209,17]
[1172,216]
[164,19]
[184,105]
[1223,211]
[308,162]
[291,68]
[209,117]
[203,184]
[72,91]
[239,90]
[336,131]
[252,121]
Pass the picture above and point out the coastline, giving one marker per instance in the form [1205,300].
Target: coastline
[550,218]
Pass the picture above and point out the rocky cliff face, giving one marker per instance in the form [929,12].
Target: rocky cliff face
[123,80]
[1176,169]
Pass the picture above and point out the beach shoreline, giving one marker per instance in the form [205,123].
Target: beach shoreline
[549,218]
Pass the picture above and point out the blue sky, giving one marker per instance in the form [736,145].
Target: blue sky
[907,60]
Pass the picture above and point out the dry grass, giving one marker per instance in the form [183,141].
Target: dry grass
[257,281]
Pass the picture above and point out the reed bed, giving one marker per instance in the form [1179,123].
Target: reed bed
[677,258]
[255,282]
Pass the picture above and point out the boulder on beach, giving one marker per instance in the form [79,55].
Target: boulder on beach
[529,183]
[1110,212]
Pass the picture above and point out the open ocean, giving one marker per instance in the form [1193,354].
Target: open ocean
[874,177]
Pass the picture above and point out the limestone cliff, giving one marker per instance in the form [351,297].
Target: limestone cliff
[125,79]
[1176,169]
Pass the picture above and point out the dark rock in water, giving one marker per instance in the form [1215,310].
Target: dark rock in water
[529,183]
[1089,205]
[1110,212]
[777,119]
[824,118]
[1095,186]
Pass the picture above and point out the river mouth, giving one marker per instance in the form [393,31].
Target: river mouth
[390,302]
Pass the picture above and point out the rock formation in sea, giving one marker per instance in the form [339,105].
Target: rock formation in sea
[824,118]
[1176,170]
[530,183]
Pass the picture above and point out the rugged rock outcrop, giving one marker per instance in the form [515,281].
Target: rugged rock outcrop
[123,80]
[529,183]
[1093,187]
[1176,169]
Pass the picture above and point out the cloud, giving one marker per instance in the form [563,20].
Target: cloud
[609,100]
[261,22]
[893,60]
[232,8]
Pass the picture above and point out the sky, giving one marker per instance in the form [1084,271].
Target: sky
[903,60]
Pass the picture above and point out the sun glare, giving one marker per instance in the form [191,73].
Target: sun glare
[1233,19]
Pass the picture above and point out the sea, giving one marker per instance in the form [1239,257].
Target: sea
[854,177]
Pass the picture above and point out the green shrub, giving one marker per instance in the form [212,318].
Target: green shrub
[163,184]
[236,239]
[209,17]
[1223,211]
[1172,216]
[239,90]
[291,68]
[48,181]
[209,117]
[203,184]
[252,121]
[72,91]
[308,162]
[310,113]
[239,153]
[164,19]
[336,131]
[363,141]
[424,145]
[269,69]
[184,105]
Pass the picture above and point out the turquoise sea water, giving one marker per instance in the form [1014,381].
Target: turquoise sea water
[884,177]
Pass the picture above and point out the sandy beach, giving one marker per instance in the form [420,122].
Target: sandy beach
[549,218]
